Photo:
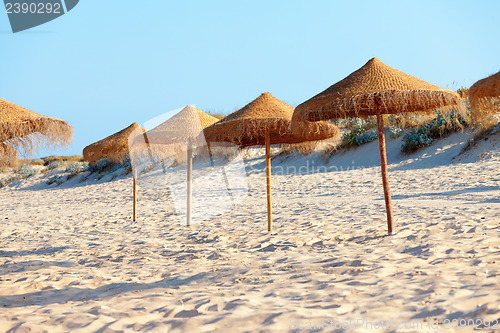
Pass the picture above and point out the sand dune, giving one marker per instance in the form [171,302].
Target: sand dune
[71,258]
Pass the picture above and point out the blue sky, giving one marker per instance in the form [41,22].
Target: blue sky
[106,64]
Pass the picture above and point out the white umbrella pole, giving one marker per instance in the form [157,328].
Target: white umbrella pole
[385,177]
[268,179]
[134,176]
[134,215]
[189,181]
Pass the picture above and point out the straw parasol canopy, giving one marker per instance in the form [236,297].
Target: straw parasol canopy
[176,135]
[186,124]
[377,89]
[484,95]
[23,129]
[8,155]
[266,121]
[170,137]
[375,82]
[266,114]
[114,147]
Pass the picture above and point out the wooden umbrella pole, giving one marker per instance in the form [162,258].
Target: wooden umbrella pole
[189,181]
[383,165]
[268,179]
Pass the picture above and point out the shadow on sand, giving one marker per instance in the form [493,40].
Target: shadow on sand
[74,294]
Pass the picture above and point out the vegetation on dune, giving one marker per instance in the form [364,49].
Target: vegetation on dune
[75,168]
[425,134]
[67,167]
[483,133]
[7,180]
[417,133]
[106,167]
[62,159]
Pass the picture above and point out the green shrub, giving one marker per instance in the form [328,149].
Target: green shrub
[364,133]
[102,175]
[105,166]
[27,170]
[425,134]
[54,165]
[99,166]
[77,167]
[366,137]
[57,179]
[7,180]
[416,139]
[395,132]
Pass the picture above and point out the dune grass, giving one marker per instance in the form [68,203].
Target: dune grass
[440,126]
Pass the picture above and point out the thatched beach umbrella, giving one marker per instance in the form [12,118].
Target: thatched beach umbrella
[166,138]
[263,122]
[170,137]
[7,154]
[114,147]
[23,129]
[373,90]
[484,96]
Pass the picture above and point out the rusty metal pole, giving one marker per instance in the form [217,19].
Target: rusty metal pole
[268,179]
[383,167]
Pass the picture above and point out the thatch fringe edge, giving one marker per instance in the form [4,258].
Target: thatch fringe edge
[391,102]
[32,134]
[237,131]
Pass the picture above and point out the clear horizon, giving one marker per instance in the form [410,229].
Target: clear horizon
[105,65]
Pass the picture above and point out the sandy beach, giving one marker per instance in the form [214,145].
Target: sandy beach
[71,259]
